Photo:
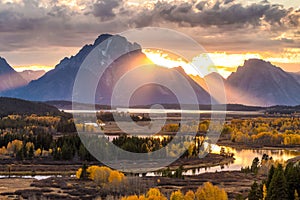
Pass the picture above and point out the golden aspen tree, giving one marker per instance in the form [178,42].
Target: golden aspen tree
[190,195]
[177,195]
[210,192]
[265,193]
[296,196]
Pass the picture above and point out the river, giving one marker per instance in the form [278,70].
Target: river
[243,158]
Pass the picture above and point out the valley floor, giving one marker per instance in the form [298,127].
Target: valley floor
[234,182]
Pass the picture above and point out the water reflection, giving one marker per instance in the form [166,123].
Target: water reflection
[243,158]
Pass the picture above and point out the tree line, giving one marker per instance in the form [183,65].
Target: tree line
[283,183]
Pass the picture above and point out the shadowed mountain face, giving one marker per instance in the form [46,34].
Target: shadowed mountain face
[58,84]
[261,83]
[9,78]
[296,76]
[256,83]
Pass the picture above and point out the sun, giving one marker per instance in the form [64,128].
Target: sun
[201,65]
[33,68]
[169,60]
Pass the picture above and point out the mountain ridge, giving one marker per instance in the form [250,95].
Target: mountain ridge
[257,82]
[9,78]
[264,84]
[57,84]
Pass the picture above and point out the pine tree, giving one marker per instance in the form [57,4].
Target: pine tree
[20,154]
[31,152]
[24,151]
[84,174]
[66,151]
[270,175]
[254,166]
[278,188]
[291,178]
[255,192]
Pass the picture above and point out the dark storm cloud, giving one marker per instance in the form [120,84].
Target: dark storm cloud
[228,1]
[11,21]
[104,9]
[221,13]
[275,14]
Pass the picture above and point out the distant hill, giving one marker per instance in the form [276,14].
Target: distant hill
[30,75]
[283,109]
[67,105]
[10,106]
[260,83]
[9,78]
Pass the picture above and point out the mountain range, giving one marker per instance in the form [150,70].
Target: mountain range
[257,82]
[9,78]
[57,84]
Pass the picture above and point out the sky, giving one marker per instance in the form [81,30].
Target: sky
[37,34]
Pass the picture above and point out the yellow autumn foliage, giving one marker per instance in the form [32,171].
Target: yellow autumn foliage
[38,152]
[78,173]
[155,194]
[190,195]
[210,192]
[206,192]
[115,177]
[102,175]
[177,195]
[132,197]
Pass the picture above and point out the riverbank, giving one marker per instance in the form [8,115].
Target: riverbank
[58,168]
[229,143]
[210,160]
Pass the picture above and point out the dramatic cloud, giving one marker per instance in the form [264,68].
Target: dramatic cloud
[35,26]
[104,9]
[220,13]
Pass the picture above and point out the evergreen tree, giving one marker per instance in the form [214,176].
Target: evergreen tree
[84,174]
[291,178]
[254,166]
[66,151]
[20,154]
[278,188]
[24,150]
[270,175]
[255,192]
[31,152]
